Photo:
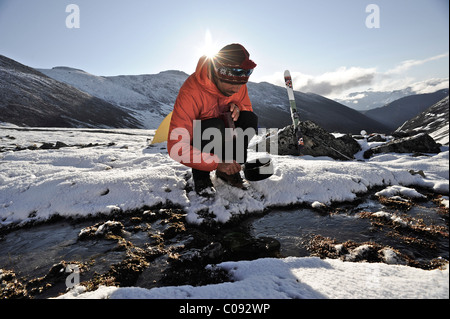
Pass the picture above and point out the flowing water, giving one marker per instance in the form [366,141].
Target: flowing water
[31,251]
[295,228]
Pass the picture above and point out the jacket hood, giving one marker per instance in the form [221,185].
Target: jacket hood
[203,76]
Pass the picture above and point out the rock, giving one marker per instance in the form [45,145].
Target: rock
[243,247]
[111,227]
[419,172]
[325,247]
[318,142]
[101,230]
[350,143]
[420,143]
[376,138]
[214,251]
[46,146]
[59,144]
[173,229]
[51,146]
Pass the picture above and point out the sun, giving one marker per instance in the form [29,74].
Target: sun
[209,47]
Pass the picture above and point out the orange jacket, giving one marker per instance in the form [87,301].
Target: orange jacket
[199,99]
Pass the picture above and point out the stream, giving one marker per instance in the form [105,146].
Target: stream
[295,228]
[146,242]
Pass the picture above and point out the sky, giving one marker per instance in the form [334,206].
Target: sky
[331,47]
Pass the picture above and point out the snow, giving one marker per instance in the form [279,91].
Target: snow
[118,171]
[97,86]
[136,93]
[444,201]
[441,135]
[392,191]
[294,278]
[128,175]
[394,218]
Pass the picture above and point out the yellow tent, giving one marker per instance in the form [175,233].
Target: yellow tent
[163,130]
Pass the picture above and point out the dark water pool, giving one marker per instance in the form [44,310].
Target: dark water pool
[295,228]
[32,251]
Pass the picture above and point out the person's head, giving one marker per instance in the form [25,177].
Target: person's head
[232,68]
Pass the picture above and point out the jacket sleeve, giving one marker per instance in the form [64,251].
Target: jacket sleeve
[179,142]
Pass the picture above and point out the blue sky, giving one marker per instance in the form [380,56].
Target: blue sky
[325,43]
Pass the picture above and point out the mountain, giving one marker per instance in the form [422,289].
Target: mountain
[148,97]
[30,98]
[433,121]
[370,99]
[396,113]
[151,98]
[367,100]
[271,104]
[68,97]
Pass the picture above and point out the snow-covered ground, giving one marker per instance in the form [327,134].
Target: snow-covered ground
[119,171]
[299,278]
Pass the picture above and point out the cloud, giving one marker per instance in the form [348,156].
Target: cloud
[416,86]
[406,84]
[340,80]
[328,83]
[345,80]
[430,86]
[275,78]
[406,65]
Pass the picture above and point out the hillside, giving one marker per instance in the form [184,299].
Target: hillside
[151,98]
[271,104]
[68,97]
[397,112]
[433,121]
[148,97]
[29,98]
[367,100]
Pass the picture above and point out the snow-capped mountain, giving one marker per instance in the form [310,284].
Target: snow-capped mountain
[29,98]
[433,121]
[271,104]
[65,96]
[367,100]
[151,98]
[370,99]
[396,113]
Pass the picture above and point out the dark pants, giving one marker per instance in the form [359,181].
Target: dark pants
[227,148]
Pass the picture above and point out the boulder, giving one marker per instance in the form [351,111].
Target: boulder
[420,143]
[317,142]
[376,138]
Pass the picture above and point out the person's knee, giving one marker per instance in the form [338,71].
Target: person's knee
[247,119]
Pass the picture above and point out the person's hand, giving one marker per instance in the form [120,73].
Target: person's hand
[229,168]
[234,111]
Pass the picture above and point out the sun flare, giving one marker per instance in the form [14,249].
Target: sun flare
[209,47]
